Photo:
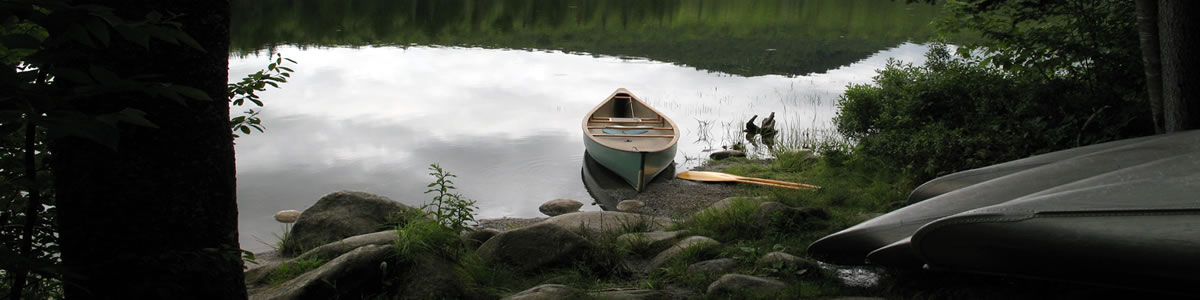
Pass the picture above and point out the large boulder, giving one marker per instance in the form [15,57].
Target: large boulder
[340,215]
[598,222]
[677,249]
[650,242]
[546,292]
[630,206]
[259,275]
[429,278]
[356,274]
[781,260]
[628,294]
[533,247]
[715,266]
[559,206]
[738,284]
[475,238]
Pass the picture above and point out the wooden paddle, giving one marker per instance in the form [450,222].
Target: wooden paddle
[723,177]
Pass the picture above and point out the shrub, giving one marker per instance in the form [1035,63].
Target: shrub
[954,114]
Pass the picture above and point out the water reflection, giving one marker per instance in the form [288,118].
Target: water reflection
[746,38]
[607,188]
[506,121]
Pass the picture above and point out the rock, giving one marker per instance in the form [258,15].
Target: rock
[738,284]
[715,266]
[429,278]
[287,216]
[328,251]
[594,222]
[474,238]
[723,203]
[652,242]
[559,206]
[781,215]
[628,294]
[630,205]
[719,155]
[533,247]
[678,248]
[353,275]
[780,260]
[546,292]
[340,215]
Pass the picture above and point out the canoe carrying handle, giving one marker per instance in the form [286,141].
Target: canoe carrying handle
[635,135]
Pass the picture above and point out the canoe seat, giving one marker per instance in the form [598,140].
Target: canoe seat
[626,131]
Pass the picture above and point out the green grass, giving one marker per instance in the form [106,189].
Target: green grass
[291,270]
[853,189]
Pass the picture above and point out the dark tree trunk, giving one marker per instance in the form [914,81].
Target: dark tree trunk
[157,218]
[1178,37]
[1147,15]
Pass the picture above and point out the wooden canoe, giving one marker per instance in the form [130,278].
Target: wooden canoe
[630,138]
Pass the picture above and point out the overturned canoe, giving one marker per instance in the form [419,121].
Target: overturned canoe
[851,246]
[1129,207]
[632,139]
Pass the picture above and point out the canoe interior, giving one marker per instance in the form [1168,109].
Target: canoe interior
[631,125]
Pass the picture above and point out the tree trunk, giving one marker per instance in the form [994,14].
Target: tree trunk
[157,217]
[1147,15]
[1177,29]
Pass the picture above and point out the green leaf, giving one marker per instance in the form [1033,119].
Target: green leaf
[78,34]
[99,30]
[154,16]
[135,117]
[104,76]
[188,40]
[134,35]
[191,92]
[20,41]
[72,75]
[60,124]
[245,129]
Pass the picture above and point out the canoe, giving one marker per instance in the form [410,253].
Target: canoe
[630,138]
[1122,214]
[852,245]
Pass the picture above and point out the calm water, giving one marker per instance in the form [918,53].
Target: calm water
[495,93]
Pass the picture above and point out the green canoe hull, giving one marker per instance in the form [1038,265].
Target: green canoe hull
[636,168]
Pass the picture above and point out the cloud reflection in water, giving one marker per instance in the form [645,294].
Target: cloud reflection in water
[507,122]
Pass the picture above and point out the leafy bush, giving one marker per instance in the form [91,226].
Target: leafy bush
[424,237]
[954,114]
[449,209]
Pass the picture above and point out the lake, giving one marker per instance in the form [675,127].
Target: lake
[495,91]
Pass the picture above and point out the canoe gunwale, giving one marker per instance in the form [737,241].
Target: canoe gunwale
[659,119]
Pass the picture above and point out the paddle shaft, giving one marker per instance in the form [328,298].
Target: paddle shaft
[769,184]
[793,184]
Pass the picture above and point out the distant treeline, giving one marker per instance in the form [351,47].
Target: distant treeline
[748,38]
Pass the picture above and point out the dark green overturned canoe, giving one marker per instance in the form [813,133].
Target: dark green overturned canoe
[632,139]
[1125,213]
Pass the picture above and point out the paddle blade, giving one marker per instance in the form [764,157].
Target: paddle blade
[706,176]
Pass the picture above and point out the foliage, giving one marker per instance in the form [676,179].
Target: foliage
[954,114]
[747,38]
[421,236]
[247,90]
[292,269]
[1086,40]
[449,209]
[38,40]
